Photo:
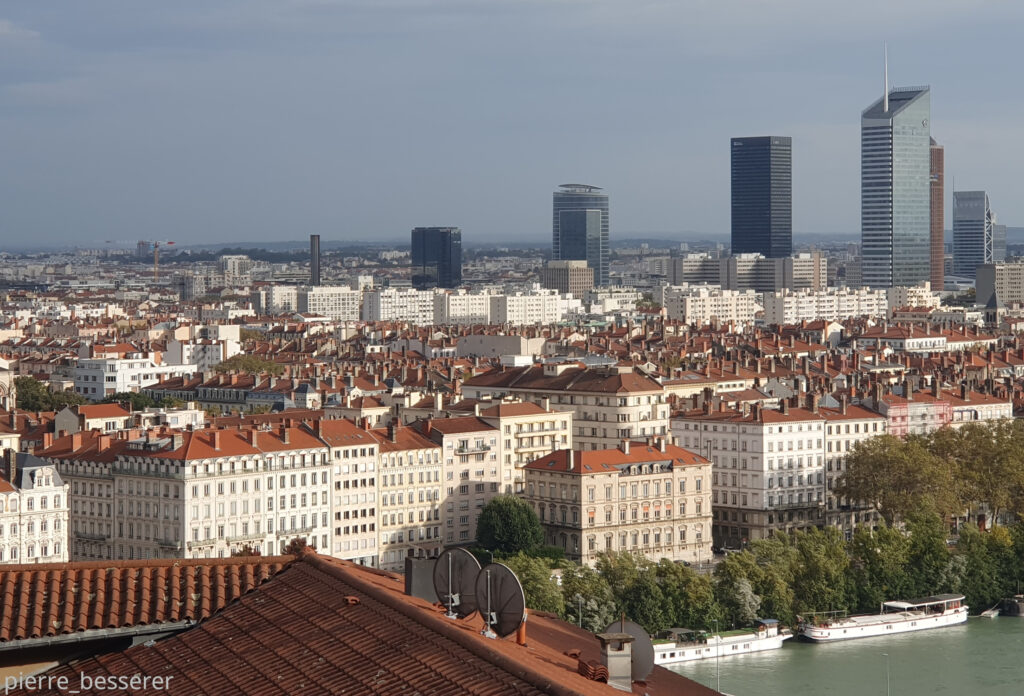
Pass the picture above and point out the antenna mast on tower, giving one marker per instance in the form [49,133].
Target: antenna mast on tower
[885,94]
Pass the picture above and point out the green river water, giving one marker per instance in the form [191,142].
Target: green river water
[984,657]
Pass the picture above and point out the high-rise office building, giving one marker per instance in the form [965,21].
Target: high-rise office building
[437,257]
[973,238]
[568,277]
[580,228]
[895,199]
[938,215]
[314,259]
[762,196]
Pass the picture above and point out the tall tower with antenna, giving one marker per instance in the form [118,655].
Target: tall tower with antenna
[896,186]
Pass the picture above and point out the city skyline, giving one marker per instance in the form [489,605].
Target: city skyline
[122,127]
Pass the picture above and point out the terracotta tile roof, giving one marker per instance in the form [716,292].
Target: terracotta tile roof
[53,599]
[325,626]
[601,461]
[102,411]
[525,408]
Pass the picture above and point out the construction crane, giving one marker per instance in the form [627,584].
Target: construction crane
[156,244]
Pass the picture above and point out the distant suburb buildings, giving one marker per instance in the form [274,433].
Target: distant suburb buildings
[580,227]
[762,195]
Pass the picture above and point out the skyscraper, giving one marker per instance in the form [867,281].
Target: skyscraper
[580,228]
[314,259]
[938,216]
[973,234]
[895,189]
[762,196]
[437,257]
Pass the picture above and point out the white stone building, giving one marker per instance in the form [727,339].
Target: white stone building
[703,303]
[788,307]
[33,511]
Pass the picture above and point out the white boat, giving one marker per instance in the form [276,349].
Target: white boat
[684,645]
[895,617]
[990,613]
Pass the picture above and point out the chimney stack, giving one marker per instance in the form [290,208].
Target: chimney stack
[625,446]
[11,465]
[617,657]
[571,459]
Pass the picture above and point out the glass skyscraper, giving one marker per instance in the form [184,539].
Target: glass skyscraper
[895,197]
[973,232]
[436,257]
[580,228]
[762,196]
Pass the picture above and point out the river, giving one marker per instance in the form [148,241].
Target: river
[979,658]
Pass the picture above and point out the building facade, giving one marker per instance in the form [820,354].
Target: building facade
[896,188]
[436,257]
[568,277]
[650,498]
[33,511]
[762,196]
[937,191]
[973,242]
[580,228]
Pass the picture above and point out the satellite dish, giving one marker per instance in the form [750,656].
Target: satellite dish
[455,573]
[642,652]
[500,600]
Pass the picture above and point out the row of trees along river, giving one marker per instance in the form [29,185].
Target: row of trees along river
[922,486]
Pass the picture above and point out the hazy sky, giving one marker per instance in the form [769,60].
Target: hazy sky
[205,120]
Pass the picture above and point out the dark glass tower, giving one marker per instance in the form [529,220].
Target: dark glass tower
[762,196]
[437,257]
[580,228]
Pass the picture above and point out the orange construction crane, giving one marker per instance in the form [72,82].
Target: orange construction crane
[156,258]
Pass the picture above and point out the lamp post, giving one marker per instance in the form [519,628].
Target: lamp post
[718,653]
[888,691]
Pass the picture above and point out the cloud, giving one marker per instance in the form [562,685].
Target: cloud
[10,30]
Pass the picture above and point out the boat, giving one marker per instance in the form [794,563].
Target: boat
[1014,606]
[990,613]
[895,617]
[684,645]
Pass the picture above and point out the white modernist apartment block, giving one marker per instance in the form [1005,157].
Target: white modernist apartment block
[96,378]
[700,304]
[787,307]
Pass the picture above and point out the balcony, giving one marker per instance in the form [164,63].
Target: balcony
[91,537]
[255,536]
[168,544]
[797,506]
[473,449]
[200,543]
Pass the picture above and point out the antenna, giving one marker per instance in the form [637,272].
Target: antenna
[885,94]
[501,600]
[455,573]
[642,653]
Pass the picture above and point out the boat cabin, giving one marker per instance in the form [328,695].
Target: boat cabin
[936,604]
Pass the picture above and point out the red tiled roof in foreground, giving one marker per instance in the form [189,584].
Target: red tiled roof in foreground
[325,626]
[52,599]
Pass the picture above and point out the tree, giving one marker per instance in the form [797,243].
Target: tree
[296,546]
[541,591]
[137,401]
[645,603]
[247,550]
[509,525]
[689,598]
[896,476]
[588,598]
[250,335]
[928,553]
[34,395]
[251,364]
[878,567]
[820,571]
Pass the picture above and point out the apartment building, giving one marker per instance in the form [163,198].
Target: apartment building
[96,378]
[393,304]
[538,306]
[355,485]
[702,304]
[338,302]
[568,277]
[608,404]
[410,511]
[33,511]
[528,431]
[195,494]
[461,307]
[473,471]
[789,307]
[769,467]
[651,498]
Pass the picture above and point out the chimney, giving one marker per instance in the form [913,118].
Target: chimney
[936,386]
[815,401]
[545,403]
[842,404]
[572,460]
[11,464]
[784,403]
[76,440]
[965,393]
[216,440]
[617,657]
[392,429]
[177,440]
[286,434]
[663,445]
[625,446]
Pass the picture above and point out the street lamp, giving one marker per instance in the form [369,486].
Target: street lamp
[718,653]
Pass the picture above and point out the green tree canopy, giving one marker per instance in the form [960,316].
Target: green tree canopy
[250,364]
[34,395]
[509,525]
[540,589]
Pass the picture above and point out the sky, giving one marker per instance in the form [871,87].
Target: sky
[204,121]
